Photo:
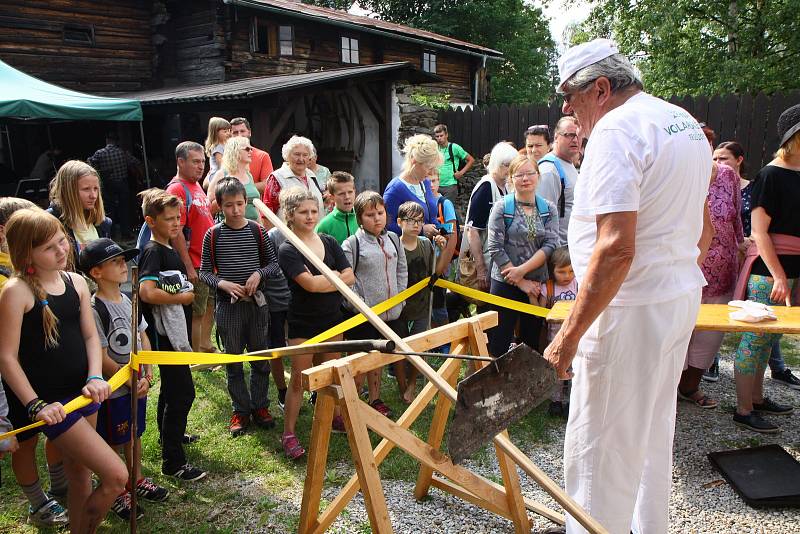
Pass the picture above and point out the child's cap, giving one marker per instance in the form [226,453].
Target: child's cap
[102,250]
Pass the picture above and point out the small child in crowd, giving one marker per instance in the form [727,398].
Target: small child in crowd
[562,285]
[44,510]
[340,223]
[105,263]
[316,304]
[446,221]
[379,265]
[416,315]
[50,354]
[238,258]
[162,214]
[219,131]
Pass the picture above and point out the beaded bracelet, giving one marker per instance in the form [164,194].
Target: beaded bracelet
[34,407]
[94,377]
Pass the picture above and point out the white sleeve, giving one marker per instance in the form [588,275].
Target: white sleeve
[613,179]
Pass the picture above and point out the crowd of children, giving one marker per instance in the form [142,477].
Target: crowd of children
[262,292]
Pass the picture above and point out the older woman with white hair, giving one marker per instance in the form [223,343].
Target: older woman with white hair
[422,158]
[236,163]
[295,172]
[486,192]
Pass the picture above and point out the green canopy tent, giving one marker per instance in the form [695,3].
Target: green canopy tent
[24,97]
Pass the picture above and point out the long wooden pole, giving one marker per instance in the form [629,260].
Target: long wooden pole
[134,399]
[572,507]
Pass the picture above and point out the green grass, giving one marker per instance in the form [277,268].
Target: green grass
[250,482]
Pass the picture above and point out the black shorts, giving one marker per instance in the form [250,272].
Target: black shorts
[308,326]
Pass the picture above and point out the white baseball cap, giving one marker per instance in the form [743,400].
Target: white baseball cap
[583,55]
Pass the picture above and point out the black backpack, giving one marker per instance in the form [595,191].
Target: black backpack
[255,228]
[456,225]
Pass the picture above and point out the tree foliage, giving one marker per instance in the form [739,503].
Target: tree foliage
[704,46]
[518,30]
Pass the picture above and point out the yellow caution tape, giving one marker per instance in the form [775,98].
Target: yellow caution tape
[119,379]
[122,377]
[503,302]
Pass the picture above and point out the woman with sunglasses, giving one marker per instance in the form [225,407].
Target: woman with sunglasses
[236,163]
[523,232]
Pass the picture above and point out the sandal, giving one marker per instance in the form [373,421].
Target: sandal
[292,447]
[703,401]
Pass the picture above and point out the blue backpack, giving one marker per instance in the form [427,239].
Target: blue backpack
[144,232]
[551,158]
[510,206]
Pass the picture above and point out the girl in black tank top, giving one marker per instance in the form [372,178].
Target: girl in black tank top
[51,354]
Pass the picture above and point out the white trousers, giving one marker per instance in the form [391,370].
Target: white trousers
[618,445]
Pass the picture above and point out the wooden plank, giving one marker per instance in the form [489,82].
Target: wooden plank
[714,119]
[431,457]
[714,317]
[476,118]
[454,489]
[730,109]
[502,123]
[436,431]
[491,134]
[744,117]
[700,111]
[317,460]
[758,125]
[383,449]
[515,502]
[321,376]
[361,448]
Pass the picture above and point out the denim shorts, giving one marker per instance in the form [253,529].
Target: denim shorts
[54,431]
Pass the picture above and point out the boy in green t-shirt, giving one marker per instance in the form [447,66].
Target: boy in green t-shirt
[453,156]
[341,222]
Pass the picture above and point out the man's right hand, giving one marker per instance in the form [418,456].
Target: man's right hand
[191,274]
[483,278]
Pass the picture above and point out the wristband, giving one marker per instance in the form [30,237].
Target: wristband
[34,407]
[94,377]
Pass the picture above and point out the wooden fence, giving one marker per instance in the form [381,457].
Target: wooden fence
[750,120]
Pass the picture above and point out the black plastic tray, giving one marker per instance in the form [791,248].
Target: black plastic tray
[766,476]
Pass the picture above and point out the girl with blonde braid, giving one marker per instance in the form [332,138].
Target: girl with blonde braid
[50,354]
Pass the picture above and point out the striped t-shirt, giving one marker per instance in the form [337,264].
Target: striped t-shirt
[236,256]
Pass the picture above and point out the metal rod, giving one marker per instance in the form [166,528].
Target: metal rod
[144,154]
[133,387]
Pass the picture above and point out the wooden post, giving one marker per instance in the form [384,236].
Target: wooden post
[364,460]
[317,459]
[133,387]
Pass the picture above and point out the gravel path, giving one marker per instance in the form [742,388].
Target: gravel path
[701,501]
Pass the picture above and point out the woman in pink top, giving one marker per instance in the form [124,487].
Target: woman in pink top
[720,267]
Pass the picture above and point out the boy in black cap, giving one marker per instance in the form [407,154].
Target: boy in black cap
[105,262]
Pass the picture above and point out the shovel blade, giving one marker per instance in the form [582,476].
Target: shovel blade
[497,396]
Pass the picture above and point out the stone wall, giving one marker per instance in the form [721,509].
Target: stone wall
[416,119]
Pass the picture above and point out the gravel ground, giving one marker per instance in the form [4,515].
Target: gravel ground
[701,501]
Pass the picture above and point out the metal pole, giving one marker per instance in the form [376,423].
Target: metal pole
[133,387]
[144,155]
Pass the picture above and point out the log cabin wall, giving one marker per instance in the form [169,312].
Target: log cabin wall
[318,45]
[94,46]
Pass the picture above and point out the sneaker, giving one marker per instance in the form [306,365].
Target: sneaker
[292,447]
[282,398]
[756,423]
[771,407]
[786,378]
[263,418]
[337,425]
[384,410]
[238,424]
[556,409]
[712,374]
[149,491]
[122,507]
[50,514]
[186,472]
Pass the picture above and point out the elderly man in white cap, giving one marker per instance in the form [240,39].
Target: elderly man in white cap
[634,240]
